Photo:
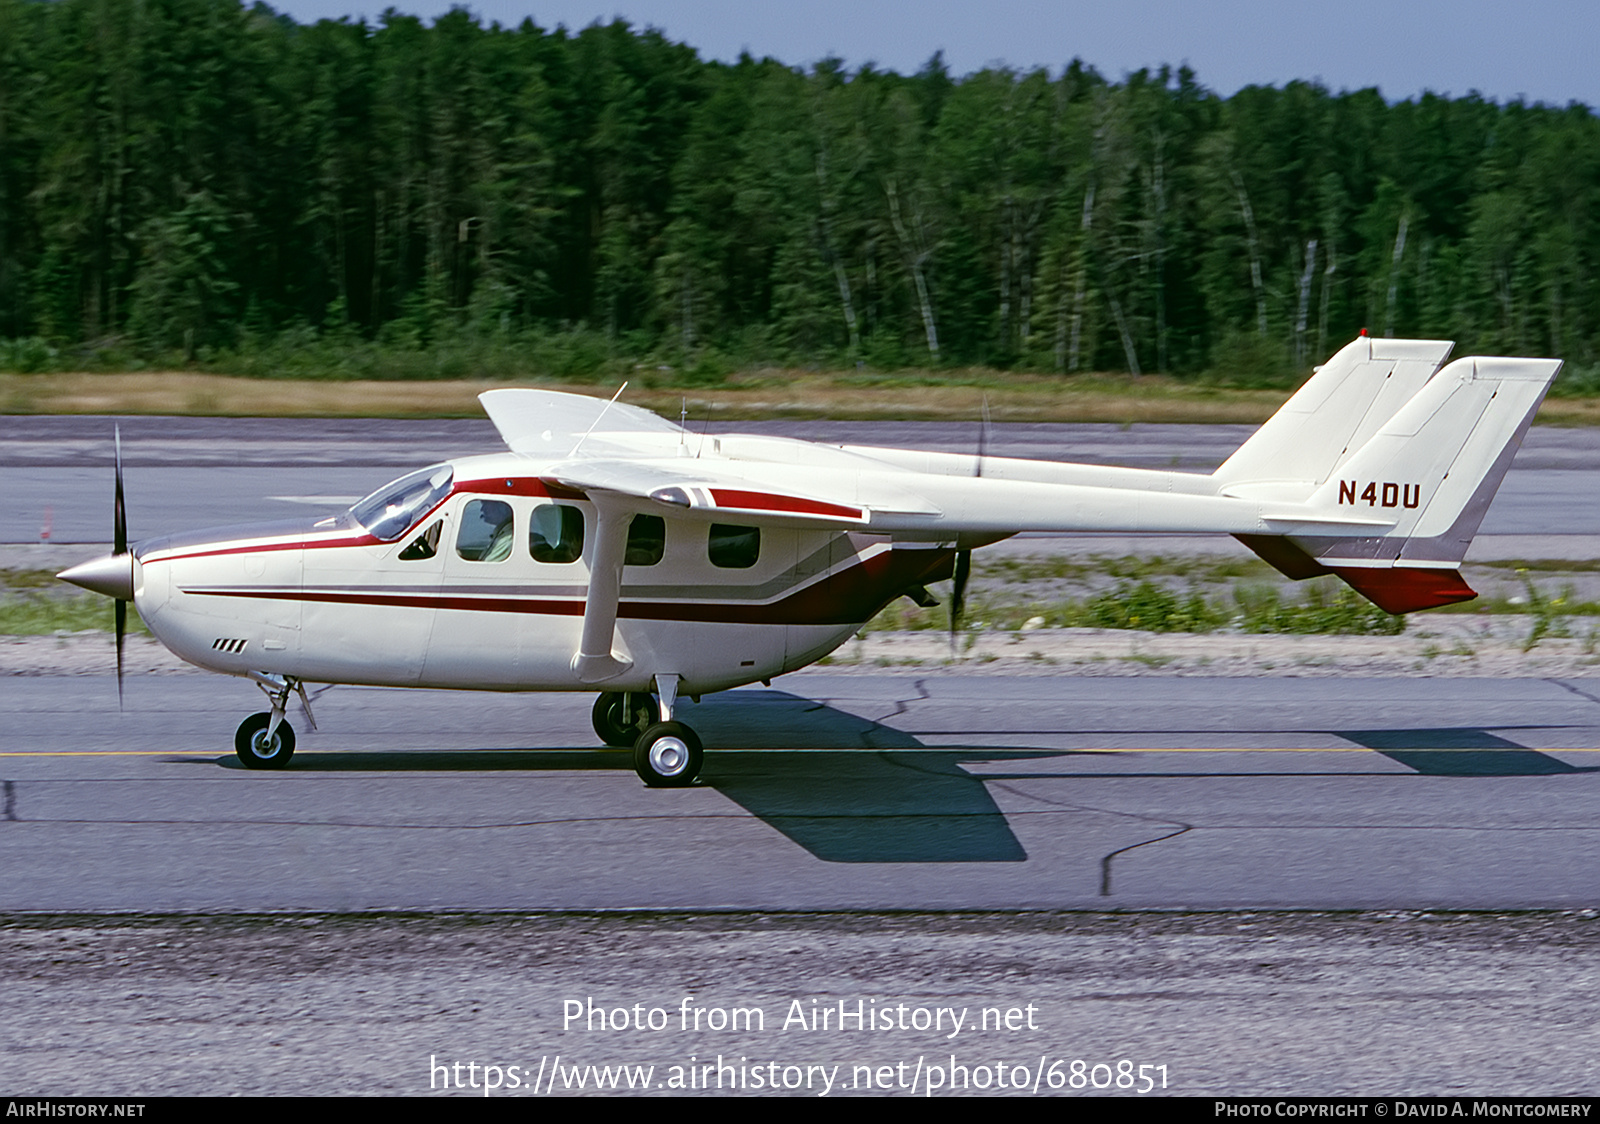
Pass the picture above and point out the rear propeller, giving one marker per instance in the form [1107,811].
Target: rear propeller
[963,569]
[958,593]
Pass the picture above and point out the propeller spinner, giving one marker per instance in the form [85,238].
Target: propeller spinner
[112,575]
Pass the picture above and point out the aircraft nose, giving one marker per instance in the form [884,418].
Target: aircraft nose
[111,575]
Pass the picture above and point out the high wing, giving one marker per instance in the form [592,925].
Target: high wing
[547,423]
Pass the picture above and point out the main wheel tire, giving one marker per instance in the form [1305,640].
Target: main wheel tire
[668,755]
[620,730]
[256,750]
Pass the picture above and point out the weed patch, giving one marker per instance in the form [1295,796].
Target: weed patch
[34,614]
[1324,609]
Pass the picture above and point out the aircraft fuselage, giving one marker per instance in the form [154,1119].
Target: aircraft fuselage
[719,605]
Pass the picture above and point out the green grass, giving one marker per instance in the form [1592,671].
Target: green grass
[1239,597]
[1127,567]
[38,614]
[1548,565]
[1325,608]
[1147,606]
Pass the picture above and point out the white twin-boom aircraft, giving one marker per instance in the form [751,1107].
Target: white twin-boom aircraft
[612,551]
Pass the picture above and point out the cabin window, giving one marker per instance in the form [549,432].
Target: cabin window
[485,534]
[556,534]
[733,547]
[647,541]
[425,545]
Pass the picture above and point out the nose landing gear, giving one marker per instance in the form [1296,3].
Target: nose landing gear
[265,740]
[259,749]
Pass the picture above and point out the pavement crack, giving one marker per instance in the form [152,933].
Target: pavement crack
[9,801]
[900,707]
[1105,863]
[1070,806]
[1568,686]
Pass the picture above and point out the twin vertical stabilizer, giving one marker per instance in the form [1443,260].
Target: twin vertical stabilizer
[1423,469]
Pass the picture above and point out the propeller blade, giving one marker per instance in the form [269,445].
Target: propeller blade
[958,592]
[119,546]
[119,514]
[983,437]
[122,629]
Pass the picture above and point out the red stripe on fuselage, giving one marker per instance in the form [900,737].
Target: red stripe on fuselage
[270,547]
[850,596]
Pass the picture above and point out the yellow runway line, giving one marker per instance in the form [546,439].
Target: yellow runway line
[206,754]
[104,753]
[1344,749]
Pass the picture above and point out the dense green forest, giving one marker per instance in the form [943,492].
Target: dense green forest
[196,181]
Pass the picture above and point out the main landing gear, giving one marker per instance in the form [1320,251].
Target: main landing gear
[265,740]
[666,754]
[621,716]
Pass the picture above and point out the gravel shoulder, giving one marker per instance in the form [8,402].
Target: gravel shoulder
[1459,645]
[1237,1004]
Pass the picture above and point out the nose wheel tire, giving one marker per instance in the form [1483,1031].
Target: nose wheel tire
[621,728]
[667,755]
[256,750]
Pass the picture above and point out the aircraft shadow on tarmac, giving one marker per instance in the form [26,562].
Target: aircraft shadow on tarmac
[1464,752]
[848,788]
[827,779]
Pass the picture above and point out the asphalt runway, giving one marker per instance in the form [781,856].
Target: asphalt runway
[171,923]
[826,792]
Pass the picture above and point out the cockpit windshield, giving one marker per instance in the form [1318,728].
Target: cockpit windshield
[390,511]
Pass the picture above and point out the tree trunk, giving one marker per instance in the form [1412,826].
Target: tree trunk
[1327,294]
[1083,278]
[1394,274]
[1128,348]
[1255,254]
[1158,174]
[825,232]
[915,252]
[1305,305]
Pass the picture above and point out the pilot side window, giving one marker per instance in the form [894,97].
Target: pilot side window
[425,545]
[486,530]
[647,541]
[733,547]
[556,534]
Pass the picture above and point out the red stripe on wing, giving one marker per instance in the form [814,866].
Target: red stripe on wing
[790,505]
